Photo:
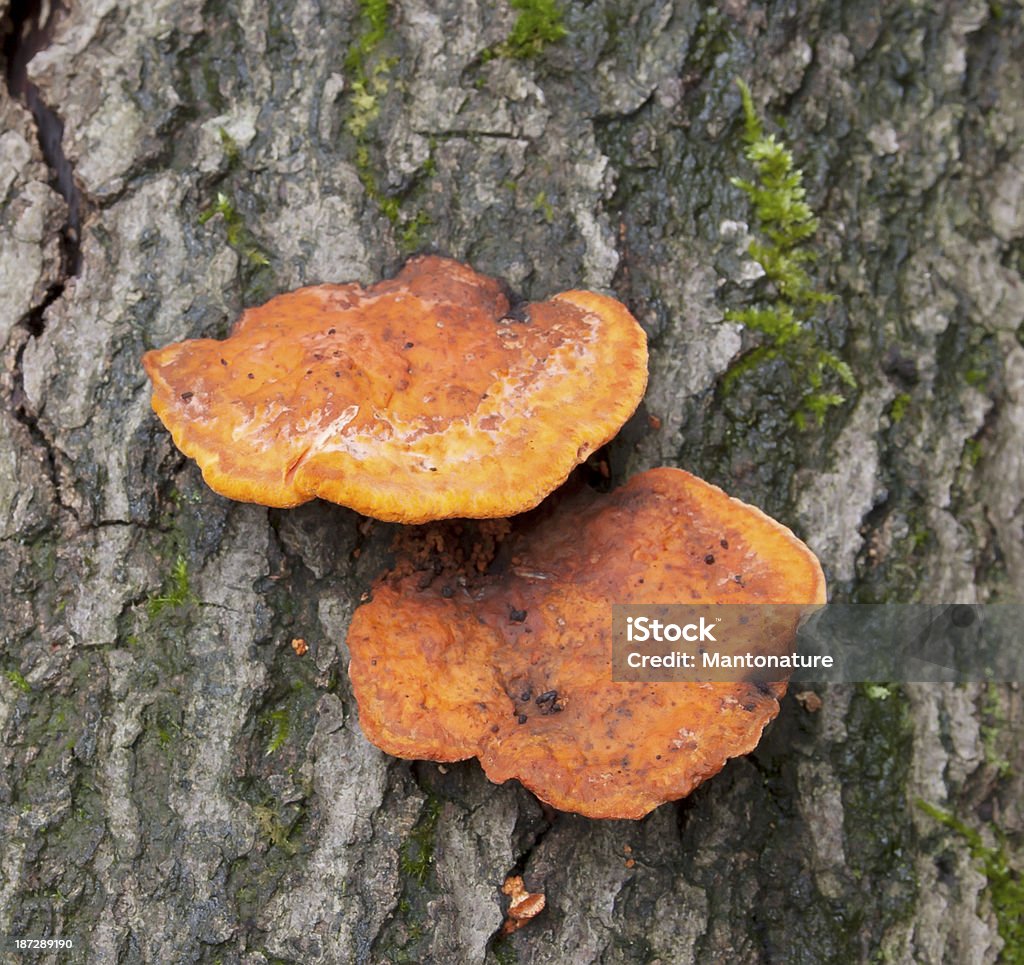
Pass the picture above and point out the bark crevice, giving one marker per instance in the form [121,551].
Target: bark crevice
[28,29]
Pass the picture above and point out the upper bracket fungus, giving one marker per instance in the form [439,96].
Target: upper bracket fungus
[423,397]
[511,662]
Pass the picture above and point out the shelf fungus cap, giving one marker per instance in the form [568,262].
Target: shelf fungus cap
[513,665]
[423,397]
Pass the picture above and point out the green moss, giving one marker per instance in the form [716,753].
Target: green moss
[407,937]
[541,204]
[895,576]
[18,680]
[877,691]
[275,828]
[898,408]
[165,737]
[1005,885]
[503,951]
[163,725]
[711,38]
[279,722]
[783,317]
[413,230]
[539,24]
[364,101]
[972,453]
[873,770]
[176,590]
[993,720]
[54,722]
[231,151]
[417,855]
[920,537]
[239,236]
[374,16]
[369,83]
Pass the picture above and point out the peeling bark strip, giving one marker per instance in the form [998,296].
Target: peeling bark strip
[177,784]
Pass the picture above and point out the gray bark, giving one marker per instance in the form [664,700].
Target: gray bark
[177,785]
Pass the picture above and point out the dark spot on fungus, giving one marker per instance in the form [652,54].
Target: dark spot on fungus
[223,361]
[520,690]
[551,703]
[447,592]
[709,559]
[250,376]
[331,331]
[187,396]
[522,718]
[724,543]
[408,344]
[518,313]
[516,616]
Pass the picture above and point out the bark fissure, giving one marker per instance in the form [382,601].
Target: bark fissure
[22,412]
[30,28]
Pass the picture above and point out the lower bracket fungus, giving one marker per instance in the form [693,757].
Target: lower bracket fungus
[423,397]
[511,661]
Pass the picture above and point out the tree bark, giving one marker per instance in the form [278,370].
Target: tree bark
[177,784]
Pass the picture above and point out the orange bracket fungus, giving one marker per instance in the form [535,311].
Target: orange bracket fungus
[510,661]
[523,905]
[423,397]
